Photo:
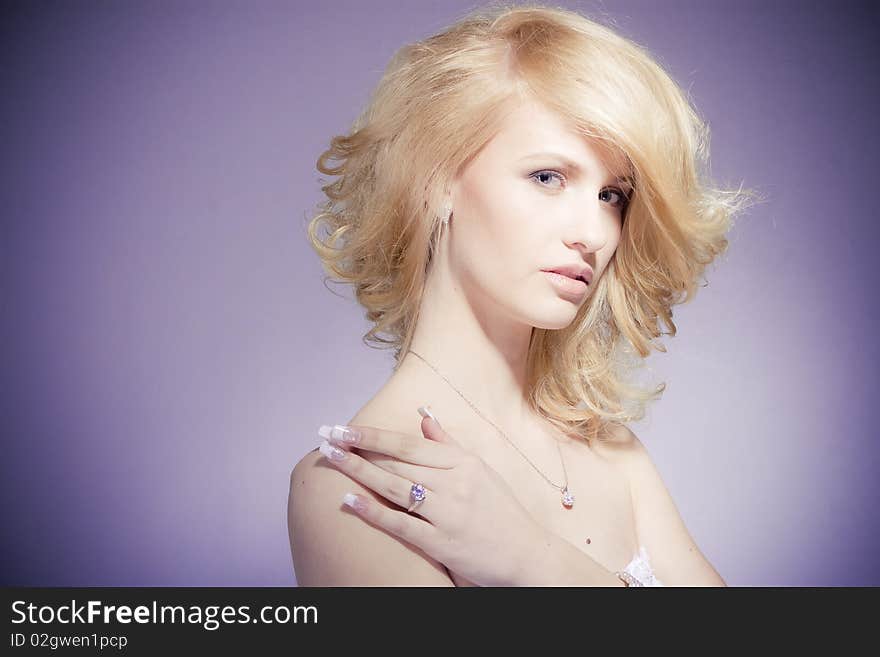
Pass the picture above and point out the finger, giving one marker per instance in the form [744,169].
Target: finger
[433,478]
[392,487]
[412,449]
[432,430]
[404,525]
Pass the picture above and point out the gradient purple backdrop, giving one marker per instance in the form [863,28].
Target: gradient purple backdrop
[170,349]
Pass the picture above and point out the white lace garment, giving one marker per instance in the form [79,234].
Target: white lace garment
[640,568]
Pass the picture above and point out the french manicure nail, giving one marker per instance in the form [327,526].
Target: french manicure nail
[425,411]
[354,501]
[340,432]
[331,452]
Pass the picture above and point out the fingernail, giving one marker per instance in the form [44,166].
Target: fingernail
[331,452]
[424,411]
[354,501]
[340,432]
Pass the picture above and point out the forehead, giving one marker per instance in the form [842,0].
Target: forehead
[532,128]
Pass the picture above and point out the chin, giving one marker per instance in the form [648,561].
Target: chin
[555,326]
[559,317]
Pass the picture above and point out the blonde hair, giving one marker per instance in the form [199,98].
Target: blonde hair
[439,102]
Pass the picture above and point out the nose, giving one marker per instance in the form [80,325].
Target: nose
[590,224]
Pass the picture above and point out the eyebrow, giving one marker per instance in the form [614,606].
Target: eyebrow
[571,164]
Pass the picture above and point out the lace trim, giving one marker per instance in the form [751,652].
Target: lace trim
[640,568]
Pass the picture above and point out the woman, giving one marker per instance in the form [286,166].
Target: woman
[520,141]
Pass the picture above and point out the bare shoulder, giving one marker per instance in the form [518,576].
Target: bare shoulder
[617,444]
[672,551]
[333,546]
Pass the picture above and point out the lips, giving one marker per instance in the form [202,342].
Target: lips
[582,273]
[574,289]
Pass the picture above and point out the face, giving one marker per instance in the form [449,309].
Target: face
[537,197]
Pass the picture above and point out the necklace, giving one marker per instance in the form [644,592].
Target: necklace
[567,497]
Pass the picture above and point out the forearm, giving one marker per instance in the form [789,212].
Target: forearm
[559,563]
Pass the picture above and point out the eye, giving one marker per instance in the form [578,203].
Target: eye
[549,174]
[623,199]
[544,173]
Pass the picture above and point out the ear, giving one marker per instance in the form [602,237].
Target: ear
[431,427]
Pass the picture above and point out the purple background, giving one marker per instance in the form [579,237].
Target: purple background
[169,349]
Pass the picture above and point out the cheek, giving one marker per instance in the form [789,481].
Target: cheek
[609,250]
[498,208]
[498,249]
[501,221]
[614,240]
[506,229]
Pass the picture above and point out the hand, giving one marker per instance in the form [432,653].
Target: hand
[470,520]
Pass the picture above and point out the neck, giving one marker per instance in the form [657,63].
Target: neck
[482,354]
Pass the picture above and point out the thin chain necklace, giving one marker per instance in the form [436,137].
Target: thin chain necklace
[567,497]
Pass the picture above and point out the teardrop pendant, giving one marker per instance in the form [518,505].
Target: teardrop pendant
[567,498]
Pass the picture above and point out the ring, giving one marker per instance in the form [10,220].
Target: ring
[417,493]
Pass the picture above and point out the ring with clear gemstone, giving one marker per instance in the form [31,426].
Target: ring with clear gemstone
[417,493]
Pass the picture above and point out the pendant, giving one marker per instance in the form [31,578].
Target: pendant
[567,498]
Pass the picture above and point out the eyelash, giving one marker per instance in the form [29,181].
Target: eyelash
[622,203]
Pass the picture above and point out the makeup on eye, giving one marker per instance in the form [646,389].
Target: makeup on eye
[555,174]
[624,197]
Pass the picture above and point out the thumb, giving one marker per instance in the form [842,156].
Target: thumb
[431,427]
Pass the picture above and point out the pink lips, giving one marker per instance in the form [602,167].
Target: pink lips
[574,270]
[568,286]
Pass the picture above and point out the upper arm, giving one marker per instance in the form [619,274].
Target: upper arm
[672,552]
[333,546]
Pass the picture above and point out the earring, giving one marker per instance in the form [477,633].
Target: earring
[447,212]
[445,215]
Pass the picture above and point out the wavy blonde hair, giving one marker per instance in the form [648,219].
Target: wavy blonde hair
[439,102]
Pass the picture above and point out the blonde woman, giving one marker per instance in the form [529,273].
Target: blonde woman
[517,209]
